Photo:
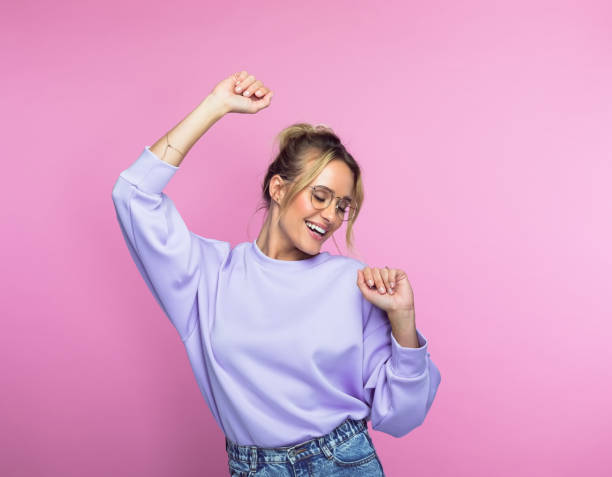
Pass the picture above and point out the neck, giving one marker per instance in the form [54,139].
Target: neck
[276,244]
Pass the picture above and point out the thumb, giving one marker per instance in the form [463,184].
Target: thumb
[264,101]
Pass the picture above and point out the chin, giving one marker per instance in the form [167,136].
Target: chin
[312,249]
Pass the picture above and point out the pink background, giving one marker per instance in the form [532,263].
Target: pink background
[484,133]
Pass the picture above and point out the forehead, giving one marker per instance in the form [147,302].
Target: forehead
[336,176]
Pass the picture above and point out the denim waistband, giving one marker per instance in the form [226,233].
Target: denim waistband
[256,454]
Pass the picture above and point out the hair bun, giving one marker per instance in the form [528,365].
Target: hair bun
[299,130]
[323,128]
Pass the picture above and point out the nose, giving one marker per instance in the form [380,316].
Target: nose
[329,212]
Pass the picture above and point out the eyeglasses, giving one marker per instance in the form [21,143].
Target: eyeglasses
[322,196]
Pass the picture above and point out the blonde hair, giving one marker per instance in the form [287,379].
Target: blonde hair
[299,144]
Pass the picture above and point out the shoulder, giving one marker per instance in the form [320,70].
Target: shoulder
[345,263]
[219,245]
[342,270]
[214,252]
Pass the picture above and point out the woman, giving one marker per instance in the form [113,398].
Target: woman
[293,349]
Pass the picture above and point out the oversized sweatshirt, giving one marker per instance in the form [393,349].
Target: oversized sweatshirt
[282,351]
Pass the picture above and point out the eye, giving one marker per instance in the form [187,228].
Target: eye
[319,198]
[344,205]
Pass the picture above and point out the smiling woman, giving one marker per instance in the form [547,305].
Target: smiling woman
[289,350]
[315,180]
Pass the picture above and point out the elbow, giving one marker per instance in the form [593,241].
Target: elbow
[399,429]
[435,378]
[398,426]
[116,192]
[120,191]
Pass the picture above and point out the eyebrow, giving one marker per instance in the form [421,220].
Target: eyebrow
[345,197]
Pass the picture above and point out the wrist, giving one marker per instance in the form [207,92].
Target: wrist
[405,333]
[402,316]
[215,105]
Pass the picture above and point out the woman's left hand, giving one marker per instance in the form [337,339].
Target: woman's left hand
[391,290]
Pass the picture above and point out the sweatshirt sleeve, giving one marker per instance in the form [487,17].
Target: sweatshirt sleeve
[171,259]
[400,383]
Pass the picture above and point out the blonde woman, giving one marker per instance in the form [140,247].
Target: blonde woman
[294,349]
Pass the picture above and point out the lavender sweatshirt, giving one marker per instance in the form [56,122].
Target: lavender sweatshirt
[282,351]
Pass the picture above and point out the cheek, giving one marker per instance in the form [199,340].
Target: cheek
[300,210]
[304,208]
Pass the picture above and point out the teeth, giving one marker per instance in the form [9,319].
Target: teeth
[316,228]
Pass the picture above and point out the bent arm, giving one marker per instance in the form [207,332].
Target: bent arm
[400,383]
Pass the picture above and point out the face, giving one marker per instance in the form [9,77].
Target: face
[336,176]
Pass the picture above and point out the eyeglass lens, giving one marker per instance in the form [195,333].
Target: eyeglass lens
[321,198]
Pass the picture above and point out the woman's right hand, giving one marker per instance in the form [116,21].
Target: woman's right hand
[234,101]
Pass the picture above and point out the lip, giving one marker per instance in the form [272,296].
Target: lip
[317,223]
[315,235]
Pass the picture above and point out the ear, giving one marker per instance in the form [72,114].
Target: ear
[277,188]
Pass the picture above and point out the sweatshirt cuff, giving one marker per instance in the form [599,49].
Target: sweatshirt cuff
[409,362]
[149,173]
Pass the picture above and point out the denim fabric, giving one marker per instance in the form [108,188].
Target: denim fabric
[345,451]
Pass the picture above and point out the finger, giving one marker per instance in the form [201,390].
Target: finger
[380,284]
[400,276]
[361,282]
[360,279]
[251,89]
[245,83]
[239,76]
[384,273]
[265,101]
[392,275]
[367,271]
[261,91]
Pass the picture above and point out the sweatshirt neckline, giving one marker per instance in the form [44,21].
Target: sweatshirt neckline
[270,262]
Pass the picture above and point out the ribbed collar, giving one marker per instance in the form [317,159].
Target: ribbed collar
[292,265]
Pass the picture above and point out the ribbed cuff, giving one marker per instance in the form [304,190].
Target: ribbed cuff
[149,173]
[409,362]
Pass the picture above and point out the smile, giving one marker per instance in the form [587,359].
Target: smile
[314,231]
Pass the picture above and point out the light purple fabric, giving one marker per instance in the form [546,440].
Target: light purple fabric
[283,351]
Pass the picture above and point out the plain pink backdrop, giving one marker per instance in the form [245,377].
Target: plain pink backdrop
[484,134]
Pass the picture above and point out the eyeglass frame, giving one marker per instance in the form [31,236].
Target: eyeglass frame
[334,196]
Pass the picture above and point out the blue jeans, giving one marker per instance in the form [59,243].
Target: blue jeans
[345,451]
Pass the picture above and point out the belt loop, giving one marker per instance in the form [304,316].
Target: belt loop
[324,447]
[365,423]
[253,458]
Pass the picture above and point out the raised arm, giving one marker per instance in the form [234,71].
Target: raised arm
[176,143]
[179,267]
[239,93]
